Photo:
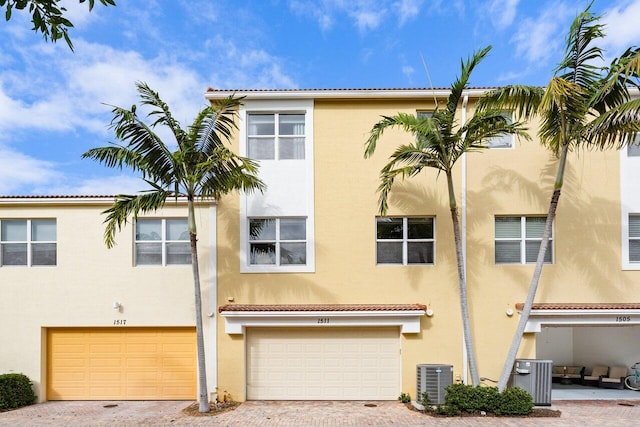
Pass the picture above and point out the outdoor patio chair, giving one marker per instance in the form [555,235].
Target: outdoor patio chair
[593,378]
[615,379]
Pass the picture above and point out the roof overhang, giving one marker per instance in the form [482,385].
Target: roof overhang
[81,200]
[577,314]
[280,94]
[239,317]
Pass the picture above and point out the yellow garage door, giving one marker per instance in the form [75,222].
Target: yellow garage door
[121,364]
[323,363]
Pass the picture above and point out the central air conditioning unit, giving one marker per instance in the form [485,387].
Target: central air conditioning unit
[433,379]
[534,377]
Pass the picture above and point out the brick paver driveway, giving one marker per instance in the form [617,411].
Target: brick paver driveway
[303,414]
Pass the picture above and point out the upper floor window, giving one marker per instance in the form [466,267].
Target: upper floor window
[633,149]
[28,242]
[504,141]
[277,241]
[403,240]
[276,136]
[634,238]
[162,241]
[518,239]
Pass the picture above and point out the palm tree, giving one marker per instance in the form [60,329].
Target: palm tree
[584,105]
[440,142]
[201,167]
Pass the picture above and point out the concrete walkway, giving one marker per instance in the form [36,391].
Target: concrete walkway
[611,413]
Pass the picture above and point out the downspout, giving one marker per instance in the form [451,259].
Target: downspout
[212,369]
[463,225]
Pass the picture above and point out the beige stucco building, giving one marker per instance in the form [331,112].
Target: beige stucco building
[308,293]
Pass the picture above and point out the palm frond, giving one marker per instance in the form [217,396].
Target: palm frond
[407,122]
[224,172]
[615,127]
[577,65]
[462,81]
[160,110]
[523,101]
[387,177]
[216,125]
[126,206]
[116,156]
[141,139]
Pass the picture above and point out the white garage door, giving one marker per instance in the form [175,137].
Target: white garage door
[323,364]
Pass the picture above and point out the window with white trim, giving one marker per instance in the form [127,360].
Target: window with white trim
[634,238]
[162,241]
[518,239]
[28,242]
[278,136]
[633,149]
[405,240]
[503,141]
[277,241]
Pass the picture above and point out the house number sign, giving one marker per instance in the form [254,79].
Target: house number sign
[323,320]
[623,319]
[120,322]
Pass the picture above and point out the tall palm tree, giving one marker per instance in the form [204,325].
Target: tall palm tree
[584,105]
[201,167]
[439,142]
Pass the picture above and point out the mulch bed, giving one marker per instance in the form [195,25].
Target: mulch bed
[215,408]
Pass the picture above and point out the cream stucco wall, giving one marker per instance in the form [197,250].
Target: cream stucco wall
[518,181]
[88,278]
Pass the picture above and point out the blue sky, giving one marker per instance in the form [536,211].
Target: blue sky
[52,100]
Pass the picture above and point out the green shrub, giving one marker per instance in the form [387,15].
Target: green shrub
[404,397]
[514,401]
[424,399]
[15,391]
[470,399]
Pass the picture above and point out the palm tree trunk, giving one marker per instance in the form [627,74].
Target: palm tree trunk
[462,284]
[533,287]
[203,398]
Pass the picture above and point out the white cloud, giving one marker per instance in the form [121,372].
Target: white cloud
[503,12]
[408,71]
[365,15]
[408,9]
[103,186]
[622,29]
[20,171]
[539,39]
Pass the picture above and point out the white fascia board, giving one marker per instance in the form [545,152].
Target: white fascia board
[236,322]
[618,317]
[99,200]
[341,94]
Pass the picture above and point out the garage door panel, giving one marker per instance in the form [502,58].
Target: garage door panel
[123,364]
[331,363]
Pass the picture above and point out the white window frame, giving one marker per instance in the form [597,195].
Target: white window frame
[277,137]
[406,240]
[523,239]
[508,137]
[163,242]
[632,239]
[277,241]
[29,242]
[633,148]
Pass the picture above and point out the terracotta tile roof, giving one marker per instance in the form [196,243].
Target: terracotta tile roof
[322,307]
[582,306]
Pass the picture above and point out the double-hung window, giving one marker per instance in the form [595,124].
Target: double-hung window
[162,241]
[505,140]
[277,241]
[277,136]
[634,238]
[633,148]
[518,239]
[28,242]
[405,240]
